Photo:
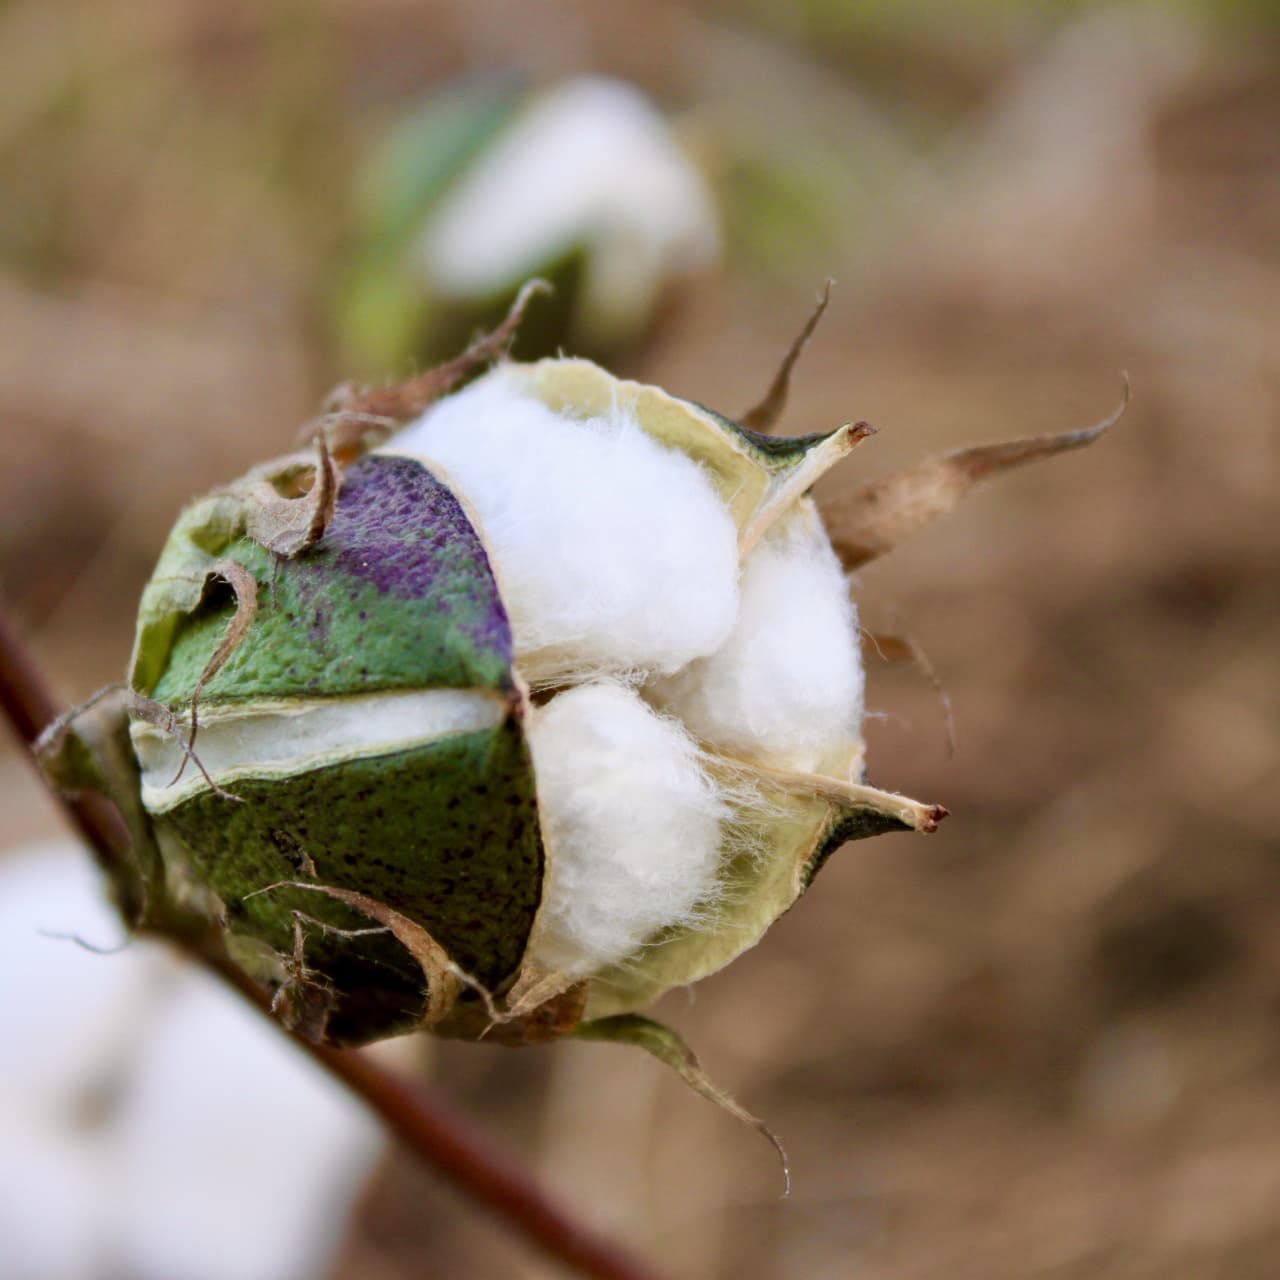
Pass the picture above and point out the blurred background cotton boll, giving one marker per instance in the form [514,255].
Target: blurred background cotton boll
[485,185]
[1044,1042]
[151,1124]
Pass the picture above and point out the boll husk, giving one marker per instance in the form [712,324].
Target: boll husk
[504,712]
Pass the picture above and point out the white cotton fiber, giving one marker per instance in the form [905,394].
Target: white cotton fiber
[613,552]
[786,688]
[151,1124]
[65,1010]
[632,826]
[234,1155]
[52,1222]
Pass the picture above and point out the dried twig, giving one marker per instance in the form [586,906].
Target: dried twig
[872,520]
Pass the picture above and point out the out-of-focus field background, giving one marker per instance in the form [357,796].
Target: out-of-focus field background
[1044,1042]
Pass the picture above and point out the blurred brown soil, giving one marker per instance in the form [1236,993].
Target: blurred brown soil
[1046,1040]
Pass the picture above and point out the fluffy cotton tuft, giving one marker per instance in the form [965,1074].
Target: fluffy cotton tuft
[786,688]
[613,552]
[631,821]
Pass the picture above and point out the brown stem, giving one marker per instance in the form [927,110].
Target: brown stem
[440,1135]
[29,705]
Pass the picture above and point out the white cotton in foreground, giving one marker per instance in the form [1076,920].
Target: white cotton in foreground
[234,1155]
[52,1223]
[786,688]
[631,822]
[67,1013]
[613,552]
[593,165]
[152,1124]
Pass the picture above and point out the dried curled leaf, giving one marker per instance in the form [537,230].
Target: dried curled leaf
[668,1047]
[245,587]
[877,517]
[290,526]
[156,713]
[539,1023]
[443,978]
[764,416]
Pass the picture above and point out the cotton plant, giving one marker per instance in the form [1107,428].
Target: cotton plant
[488,183]
[133,1090]
[500,711]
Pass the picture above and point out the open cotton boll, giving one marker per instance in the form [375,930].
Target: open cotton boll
[786,688]
[632,826]
[613,553]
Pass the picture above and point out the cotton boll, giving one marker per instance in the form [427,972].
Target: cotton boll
[632,826]
[591,164]
[234,1155]
[786,688]
[613,552]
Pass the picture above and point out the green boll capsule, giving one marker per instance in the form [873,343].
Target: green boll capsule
[369,725]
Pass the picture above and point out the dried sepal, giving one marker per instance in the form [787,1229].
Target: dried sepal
[159,716]
[517,1023]
[442,978]
[360,419]
[78,751]
[65,749]
[305,998]
[764,416]
[288,526]
[670,1049]
[245,587]
[875,518]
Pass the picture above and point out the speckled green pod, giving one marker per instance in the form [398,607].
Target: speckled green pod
[372,844]
[396,604]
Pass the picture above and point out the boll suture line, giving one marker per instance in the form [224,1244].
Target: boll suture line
[511,707]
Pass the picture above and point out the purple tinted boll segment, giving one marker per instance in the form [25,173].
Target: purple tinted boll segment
[398,594]
[419,537]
